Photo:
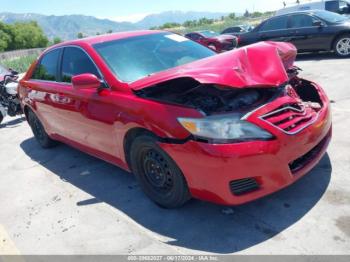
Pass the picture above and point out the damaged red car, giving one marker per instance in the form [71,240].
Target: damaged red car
[227,128]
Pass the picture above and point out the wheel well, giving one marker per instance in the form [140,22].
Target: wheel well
[129,138]
[337,36]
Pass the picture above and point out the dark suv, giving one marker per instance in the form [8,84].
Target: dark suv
[308,30]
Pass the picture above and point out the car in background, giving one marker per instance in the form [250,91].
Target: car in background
[188,122]
[309,31]
[213,40]
[336,6]
[237,30]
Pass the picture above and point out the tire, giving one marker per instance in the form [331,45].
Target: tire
[2,113]
[158,175]
[39,132]
[342,46]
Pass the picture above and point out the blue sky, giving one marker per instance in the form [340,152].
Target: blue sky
[132,10]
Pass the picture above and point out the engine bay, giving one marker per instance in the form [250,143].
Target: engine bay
[209,98]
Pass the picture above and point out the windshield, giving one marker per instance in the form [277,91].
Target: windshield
[209,33]
[330,16]
[134,58]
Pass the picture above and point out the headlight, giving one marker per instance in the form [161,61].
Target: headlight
[224,127]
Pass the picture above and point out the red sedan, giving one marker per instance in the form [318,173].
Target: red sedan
[227,128]
[214,41]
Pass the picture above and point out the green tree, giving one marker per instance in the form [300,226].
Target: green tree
[5,39]
[21,36]
[190,23]
[80,35]
[109,31]
[57,40]
[246,13]
[232,16]
[169,25]
[256,14]
[27,35]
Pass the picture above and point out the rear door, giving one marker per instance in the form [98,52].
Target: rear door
[43,87]
[275,29]
[307,33]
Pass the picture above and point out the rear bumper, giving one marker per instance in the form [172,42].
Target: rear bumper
[210,168]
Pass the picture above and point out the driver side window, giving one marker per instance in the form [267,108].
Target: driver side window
[76,62]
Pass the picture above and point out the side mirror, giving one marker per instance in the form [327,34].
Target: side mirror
[86,81]
[344,10]
[317,23]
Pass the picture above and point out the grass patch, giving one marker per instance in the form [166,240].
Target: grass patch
[21,64]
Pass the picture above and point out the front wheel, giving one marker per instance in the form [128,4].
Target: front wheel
[342,46]
[39,132]
[158,175]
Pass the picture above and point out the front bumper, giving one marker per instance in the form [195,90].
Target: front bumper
[210,168]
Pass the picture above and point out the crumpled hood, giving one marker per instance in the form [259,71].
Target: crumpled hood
[259,65]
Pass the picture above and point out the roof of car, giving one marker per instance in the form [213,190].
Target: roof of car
[300,12]
[107,37]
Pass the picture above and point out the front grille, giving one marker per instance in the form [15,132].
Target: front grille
[291,118]
[302,161]
[243,186]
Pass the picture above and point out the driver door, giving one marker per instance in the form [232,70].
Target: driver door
[86,114]
[308,33]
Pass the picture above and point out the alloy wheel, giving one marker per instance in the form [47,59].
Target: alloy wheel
[343,46]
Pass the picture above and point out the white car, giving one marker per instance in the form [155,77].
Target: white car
[336,6]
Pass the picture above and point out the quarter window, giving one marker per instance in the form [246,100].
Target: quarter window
[278,23]
[47,67]
[76,62]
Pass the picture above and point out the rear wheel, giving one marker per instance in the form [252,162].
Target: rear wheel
[158,175]
[39,132]
[342,46]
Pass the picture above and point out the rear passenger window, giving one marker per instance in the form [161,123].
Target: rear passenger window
[76,62]
[278,23]
[47,67]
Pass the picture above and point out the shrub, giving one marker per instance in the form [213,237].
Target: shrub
[21,64]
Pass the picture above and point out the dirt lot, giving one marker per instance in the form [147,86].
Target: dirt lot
[62,201]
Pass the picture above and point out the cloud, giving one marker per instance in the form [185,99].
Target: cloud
[129,18]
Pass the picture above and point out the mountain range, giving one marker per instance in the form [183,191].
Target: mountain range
[68,26]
